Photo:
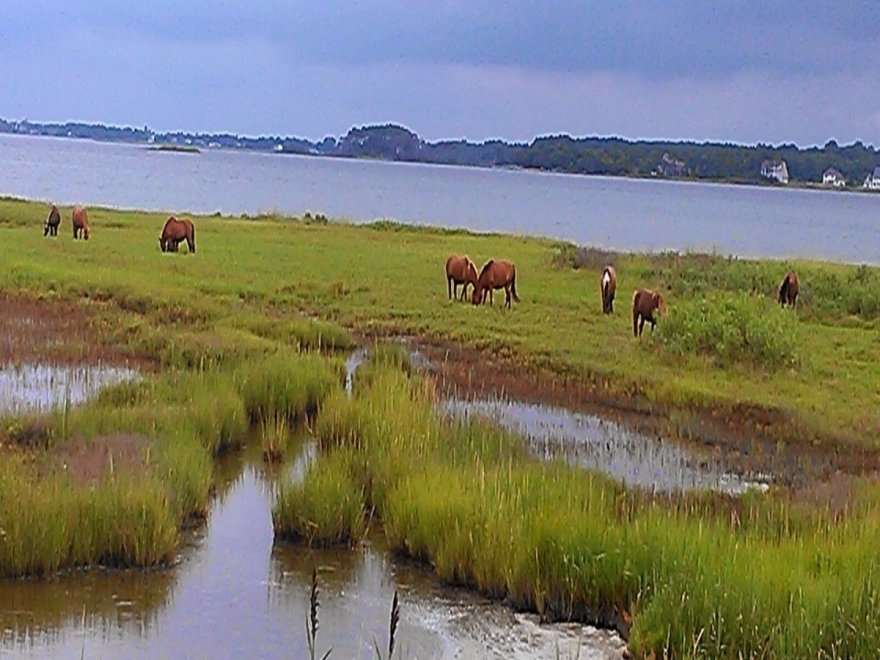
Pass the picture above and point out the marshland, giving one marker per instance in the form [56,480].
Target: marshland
[227,456]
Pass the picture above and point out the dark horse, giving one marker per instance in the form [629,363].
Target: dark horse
[176,231]
[80,221]
[608,285]
[498,274]
[645,303]
[788,292]
[460,270]
[52,222]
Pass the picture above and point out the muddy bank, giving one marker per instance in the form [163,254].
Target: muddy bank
[750,441]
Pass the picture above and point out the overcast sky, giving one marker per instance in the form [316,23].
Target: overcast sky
[772,71]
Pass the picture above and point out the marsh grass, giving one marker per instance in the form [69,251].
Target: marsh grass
[699,576]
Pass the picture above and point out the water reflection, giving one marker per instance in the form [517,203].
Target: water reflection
[234,593]
[595,443]
[41,387]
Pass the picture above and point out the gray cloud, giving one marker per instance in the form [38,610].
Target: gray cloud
[734,71]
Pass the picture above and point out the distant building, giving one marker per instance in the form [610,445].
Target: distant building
[872,181]
[672,167]
[831,177]
[775,169]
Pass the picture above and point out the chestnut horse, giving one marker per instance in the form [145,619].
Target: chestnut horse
[645,303]
[608,285]
[788,292]
[176,231]
[80,221]
[52,222]
[460,270]
[498,274]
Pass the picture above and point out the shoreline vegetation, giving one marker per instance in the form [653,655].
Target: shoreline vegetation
[179,148]
[247,339]
[709,162]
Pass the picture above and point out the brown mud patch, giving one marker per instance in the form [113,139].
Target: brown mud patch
[750,439]
[54,331]
[94,460]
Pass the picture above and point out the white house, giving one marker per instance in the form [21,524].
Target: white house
[775,169]
[831,177]
[872,181]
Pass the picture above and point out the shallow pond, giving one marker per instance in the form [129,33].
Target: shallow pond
[235,593]
[591,442]
[40,387]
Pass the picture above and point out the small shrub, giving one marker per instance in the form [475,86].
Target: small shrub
[578,257]
[732,328]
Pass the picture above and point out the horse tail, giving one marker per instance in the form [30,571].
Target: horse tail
[193,231]
[635,314]
[783,290]
[513,286]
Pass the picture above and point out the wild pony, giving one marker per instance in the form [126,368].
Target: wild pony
[52,222]
[645,303]
[80,221]
[460,270]
[788,292]
[498,274]
[608,285]
[176,231]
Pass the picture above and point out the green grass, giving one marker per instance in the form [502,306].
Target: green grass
[697,576]
[258,282]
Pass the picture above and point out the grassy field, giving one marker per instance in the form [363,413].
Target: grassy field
[253,279]
[229,340]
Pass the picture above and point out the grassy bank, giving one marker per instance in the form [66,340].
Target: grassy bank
[254,279]
[697,576]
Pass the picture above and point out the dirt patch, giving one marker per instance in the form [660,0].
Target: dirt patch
[751,440]
[91,461]
[60,332]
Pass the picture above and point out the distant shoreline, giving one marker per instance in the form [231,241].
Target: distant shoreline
[178,148]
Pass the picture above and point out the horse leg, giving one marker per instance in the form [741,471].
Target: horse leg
[507,297]
[449,287]
[641,324]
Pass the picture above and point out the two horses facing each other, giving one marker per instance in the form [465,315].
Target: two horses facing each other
[460,270]
[176,231]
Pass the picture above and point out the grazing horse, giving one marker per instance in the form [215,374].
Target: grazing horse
[80,221]
[498,274]
[788,292]
[460,270]
[52,222]
[645,303]
[608,285]
[176,231]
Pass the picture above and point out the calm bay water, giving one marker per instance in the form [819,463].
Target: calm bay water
[616,213]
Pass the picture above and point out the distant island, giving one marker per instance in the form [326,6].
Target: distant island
[854,165]
[179,148]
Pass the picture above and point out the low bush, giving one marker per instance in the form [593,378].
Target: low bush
[732,329]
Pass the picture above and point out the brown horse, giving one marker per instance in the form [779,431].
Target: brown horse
[80,221]
[788,292]
[645,303]
[52,222]
[176,231]
[498,274]
[460,270]
[608,285]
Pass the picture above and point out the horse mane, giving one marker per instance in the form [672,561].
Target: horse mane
[487,266]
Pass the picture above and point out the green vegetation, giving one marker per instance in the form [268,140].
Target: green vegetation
[179,148]
[700,576]
[237,337]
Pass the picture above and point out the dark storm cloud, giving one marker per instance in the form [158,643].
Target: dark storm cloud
[671,38]
[768,71]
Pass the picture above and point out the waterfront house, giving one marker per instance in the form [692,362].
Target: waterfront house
[775,168]
[872,181]
[831,177]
